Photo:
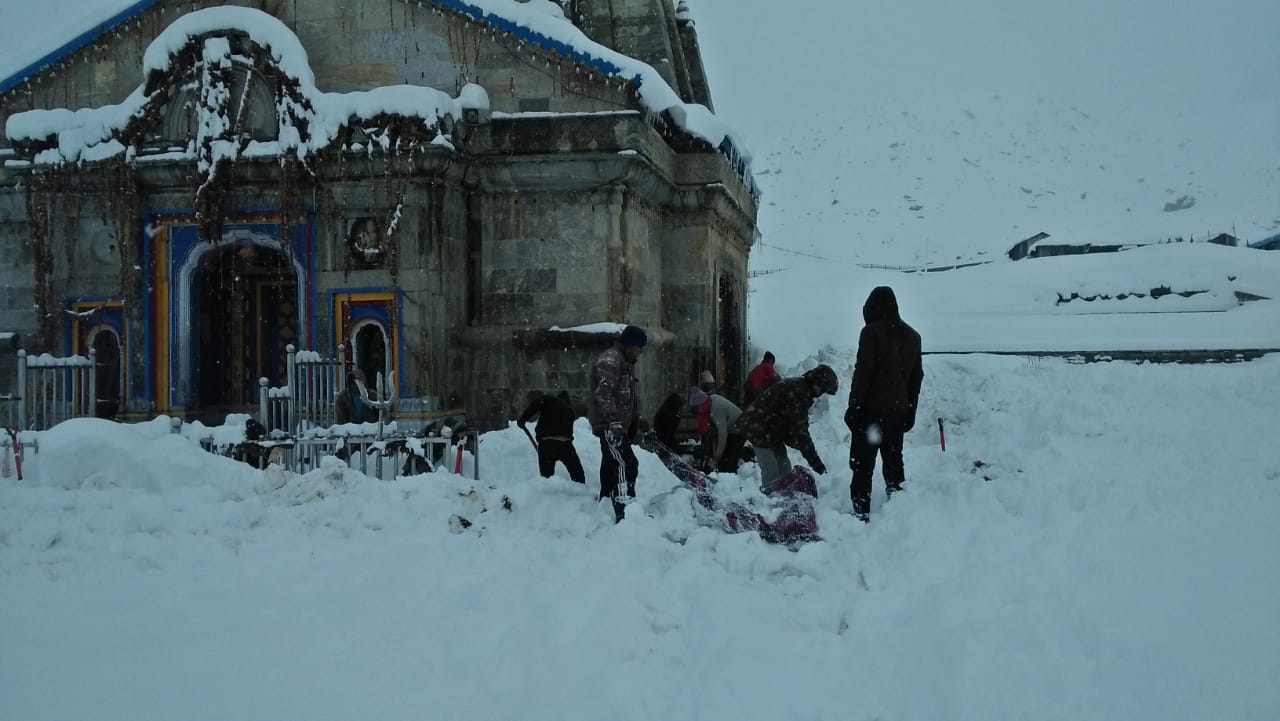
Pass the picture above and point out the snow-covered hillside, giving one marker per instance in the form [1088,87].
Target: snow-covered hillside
[922,131]
[946,179]
[1097,541]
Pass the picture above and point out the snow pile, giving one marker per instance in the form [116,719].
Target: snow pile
[1082,554]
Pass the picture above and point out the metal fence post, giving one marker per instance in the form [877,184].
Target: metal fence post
[93,383]
[22,389]
[342,367]
[475,456]
[291,384]
[263,401]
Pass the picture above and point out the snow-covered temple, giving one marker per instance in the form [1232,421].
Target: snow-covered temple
[469,193]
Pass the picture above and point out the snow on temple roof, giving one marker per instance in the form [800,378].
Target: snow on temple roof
[88,133]
[540,22]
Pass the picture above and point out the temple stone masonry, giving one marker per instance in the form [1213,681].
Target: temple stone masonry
[473,196]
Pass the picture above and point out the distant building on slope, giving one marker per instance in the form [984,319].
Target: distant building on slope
[433,185]
[1022,248]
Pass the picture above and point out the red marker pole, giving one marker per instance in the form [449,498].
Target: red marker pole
[942,436]
[16,447]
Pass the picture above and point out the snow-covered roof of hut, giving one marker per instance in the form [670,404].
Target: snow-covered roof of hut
[540,22]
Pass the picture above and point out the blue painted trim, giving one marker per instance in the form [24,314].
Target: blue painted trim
[88,36]
[524,33]
[112,317]
[302,246]
[75,44]
[147,335]
[333,294]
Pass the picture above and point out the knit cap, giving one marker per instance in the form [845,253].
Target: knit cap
[634,336]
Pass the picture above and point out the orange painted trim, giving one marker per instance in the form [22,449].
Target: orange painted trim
[339,319]
[161,359]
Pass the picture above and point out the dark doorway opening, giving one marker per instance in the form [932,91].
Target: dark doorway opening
[371,354]
[107,372]
[246,313]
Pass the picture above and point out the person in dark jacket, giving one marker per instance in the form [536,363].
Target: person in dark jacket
[780,418]
[882,397]
[760,377]
[614,413]
[667,421]
[348,406]
[554,434]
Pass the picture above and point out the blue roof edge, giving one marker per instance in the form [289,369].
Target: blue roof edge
[506,25]
[460,6]
[75,44]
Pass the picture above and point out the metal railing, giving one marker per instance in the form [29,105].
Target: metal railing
[382,458]
[312,385]
[9,403]
[52,389]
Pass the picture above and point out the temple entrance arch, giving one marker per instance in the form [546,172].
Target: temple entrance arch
[370,351]
[108,371]
[240,302]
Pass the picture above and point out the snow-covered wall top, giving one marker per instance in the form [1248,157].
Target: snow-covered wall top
[540,22]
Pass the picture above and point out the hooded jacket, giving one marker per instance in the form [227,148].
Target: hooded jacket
[888,372]
[761,377]
[780,416]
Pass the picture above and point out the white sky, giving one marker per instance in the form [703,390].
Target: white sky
[1119,563]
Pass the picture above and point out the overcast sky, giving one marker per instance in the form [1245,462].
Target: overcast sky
[1148,52]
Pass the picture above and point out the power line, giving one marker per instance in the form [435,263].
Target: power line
[806,255]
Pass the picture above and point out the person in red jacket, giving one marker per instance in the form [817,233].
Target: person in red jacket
[760,377]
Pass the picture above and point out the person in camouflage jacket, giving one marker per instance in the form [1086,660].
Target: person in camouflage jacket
[780,418]
[614,412]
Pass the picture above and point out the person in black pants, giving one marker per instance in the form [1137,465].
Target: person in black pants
[882,397]
[554,433]
[614,413]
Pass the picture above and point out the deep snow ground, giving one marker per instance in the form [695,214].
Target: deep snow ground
[1119,563]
